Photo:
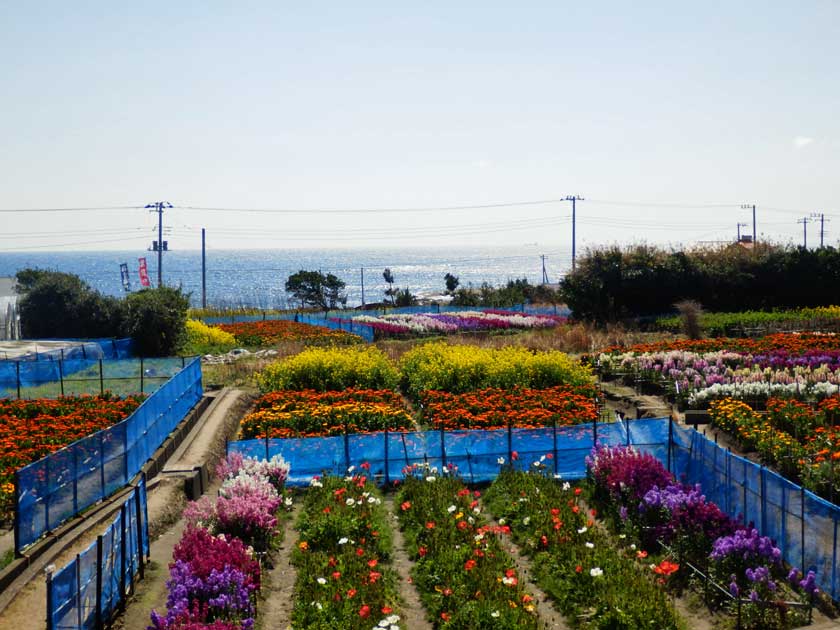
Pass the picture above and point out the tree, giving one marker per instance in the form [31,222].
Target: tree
[156,320]
[451,283]
[405,298]
[313,288]
[389,278]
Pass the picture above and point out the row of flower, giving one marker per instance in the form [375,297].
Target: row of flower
[465,577]
[798,440]
[344,578]
[644,503]
[271,332]
[593,581]
[697,378]
[519,407]
[307,413]
[417,324]
[794,343]
[31,429]
[716,324]
[432,366]
[215,570]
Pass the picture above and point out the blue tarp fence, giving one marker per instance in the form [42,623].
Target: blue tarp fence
[804,526]
[87,592]
[50,378]
[59,486]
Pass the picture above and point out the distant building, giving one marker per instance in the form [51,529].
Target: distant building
[9,317]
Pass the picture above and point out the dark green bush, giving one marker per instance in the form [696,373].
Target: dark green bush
[156,319]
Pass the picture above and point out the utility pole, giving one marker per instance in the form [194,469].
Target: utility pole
[545,275]
[821,217]
[747,206]
[203,271]
[804,221]
[740,225]
[573,199]
[158,207]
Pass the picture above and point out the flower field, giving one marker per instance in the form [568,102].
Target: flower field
[420,324]
[342,558]
[215,573]
[31,429]
[271,332]
[717,324]
[801,441]
[519,407]
[308,413]
[669,521]
[804,366]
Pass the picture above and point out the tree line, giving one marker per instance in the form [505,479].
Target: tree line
[615,283]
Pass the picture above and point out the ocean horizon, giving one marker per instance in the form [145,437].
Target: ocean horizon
[256,277]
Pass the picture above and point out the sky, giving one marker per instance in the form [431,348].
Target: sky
[663,118]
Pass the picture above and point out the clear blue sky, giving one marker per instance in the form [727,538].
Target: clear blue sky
[323,105]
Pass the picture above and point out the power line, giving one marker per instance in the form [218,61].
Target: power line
[505,204]
[81,209]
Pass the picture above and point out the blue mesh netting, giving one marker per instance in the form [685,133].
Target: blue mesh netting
[105,348]
[804,526]
[72,591]
[62,484]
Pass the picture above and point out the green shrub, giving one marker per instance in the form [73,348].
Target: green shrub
[323,369]
[156,320]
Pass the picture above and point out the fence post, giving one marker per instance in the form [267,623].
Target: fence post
[802,526]
[141,376]
[46,496]
[670,440]
[266,441]
[833,559]
[79,591]
[387,475]
[183,362]
[442,448]
[510,442]
[346,448]
[595,433]
[50,602]
[99,570]
[101,379]
[101,464]
[61,375]
[17,373]
[75,479]
[554,443]
[16,523]
[139,520]
[763,486]
[123,563]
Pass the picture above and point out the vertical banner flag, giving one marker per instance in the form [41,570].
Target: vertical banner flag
[144,276]
[124,276]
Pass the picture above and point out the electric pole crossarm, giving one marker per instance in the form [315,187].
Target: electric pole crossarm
[574,199]
[158,207]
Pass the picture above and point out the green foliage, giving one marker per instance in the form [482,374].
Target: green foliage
[56,304]
[514,292]
[313,288]
[405,298]
[323,369]
[732,324]
[451,282]
[613,283]
[459,369]
[390,292]
[156,320]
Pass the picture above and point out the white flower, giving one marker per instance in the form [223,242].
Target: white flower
[392,619]
[494,614]
[343,541]
[288,501]
[351,469]
[590,545]
[596,572]
[451,509]
[322,581]
[471,520]
[430,478]
[622,536]
[526,520]
[633,546]
[318,605]
[582,530]
[502,521]
[372,499]
[500,461]
[566,485]
[315,483]
[350,502]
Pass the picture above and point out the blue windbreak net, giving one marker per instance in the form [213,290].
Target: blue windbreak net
[105,348]
[59,486]
[87,592]
[803,526]
[51,378]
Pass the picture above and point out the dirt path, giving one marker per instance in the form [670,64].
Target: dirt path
[275,612]
[413,615]
[549,616]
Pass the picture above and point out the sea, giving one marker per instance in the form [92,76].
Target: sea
[256,278]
